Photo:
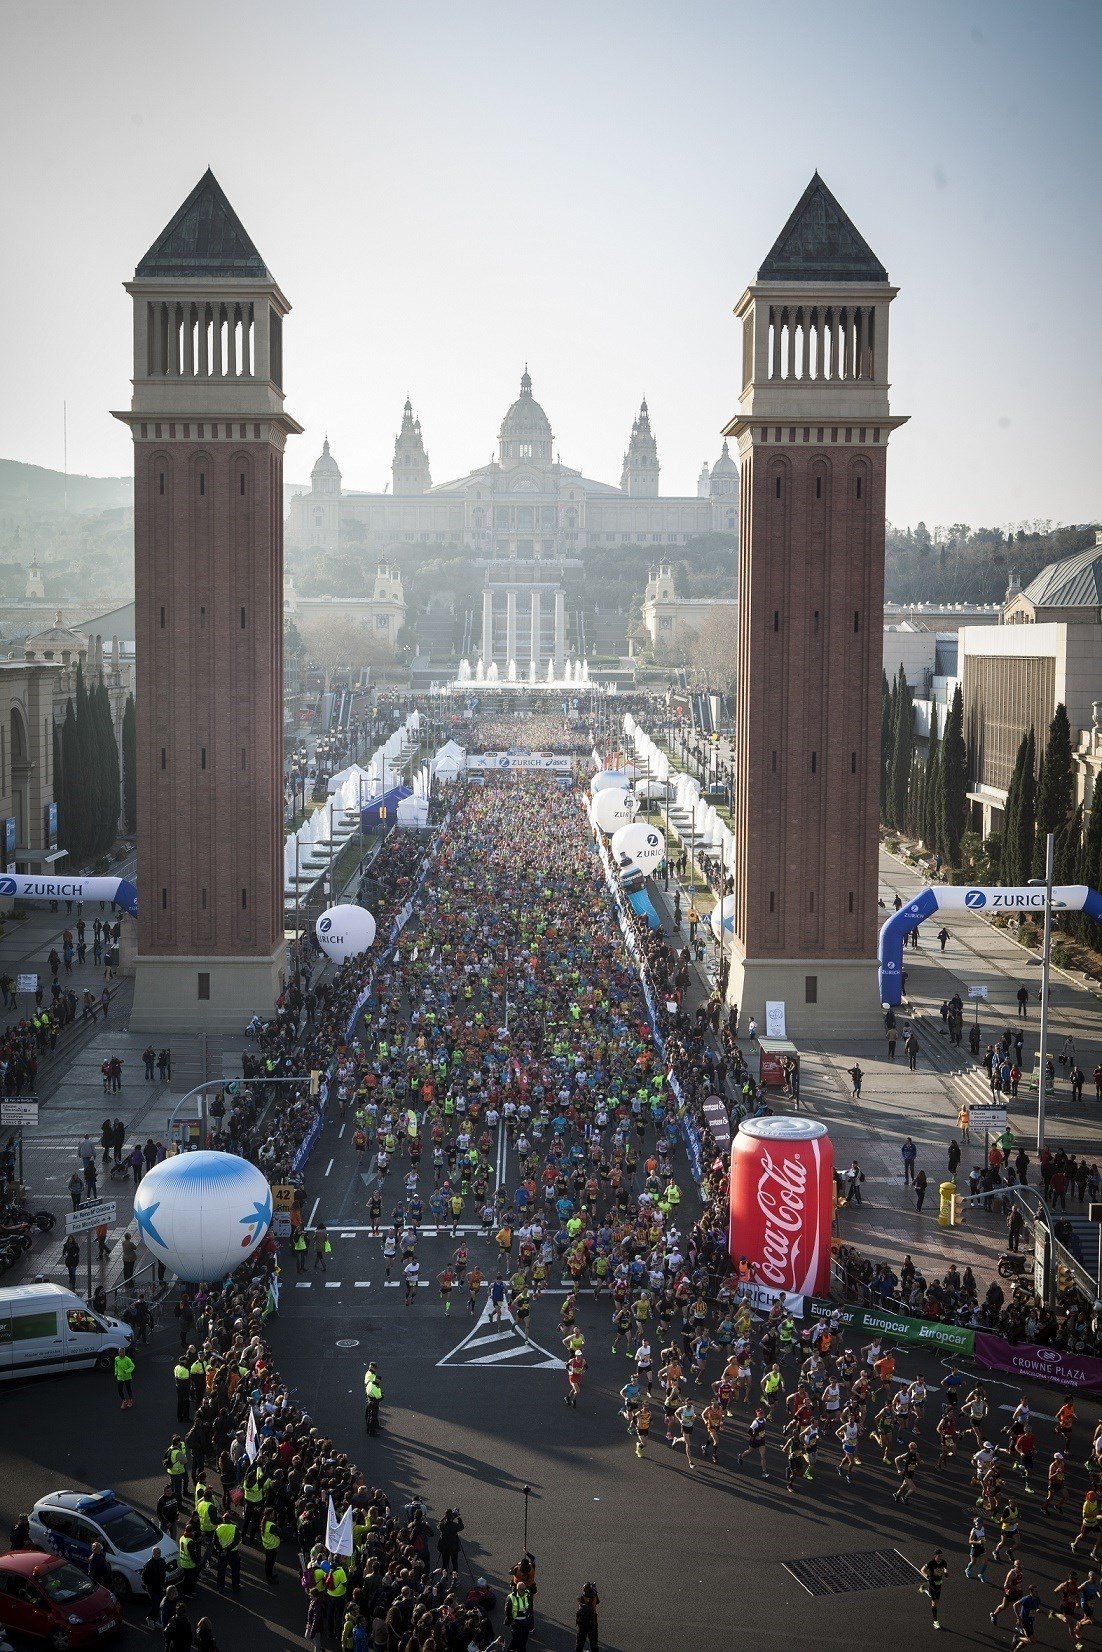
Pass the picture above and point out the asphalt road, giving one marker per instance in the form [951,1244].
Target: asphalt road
[680,1556]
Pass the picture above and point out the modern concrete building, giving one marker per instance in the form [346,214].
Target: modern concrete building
[526,503]
[209,429]
[812,432]
[1046,652]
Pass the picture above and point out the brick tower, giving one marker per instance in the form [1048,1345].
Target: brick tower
[209,431]
[812,432]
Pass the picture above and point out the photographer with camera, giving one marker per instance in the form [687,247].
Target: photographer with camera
[447,1541]
[586,1618]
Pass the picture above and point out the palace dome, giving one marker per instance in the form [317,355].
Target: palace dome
[525,421]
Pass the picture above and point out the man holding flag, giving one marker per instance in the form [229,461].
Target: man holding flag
[338,1541]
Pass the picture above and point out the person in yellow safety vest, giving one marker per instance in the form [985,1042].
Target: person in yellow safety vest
[191,1556]
[300,1246]
[181,1372]
[227,1540]
[336,1588]
[175,1461]
[207,1509]
[124,1371]
[255,1487]
[269,1542]
[373,1395]
[198,1370]
[519,1614]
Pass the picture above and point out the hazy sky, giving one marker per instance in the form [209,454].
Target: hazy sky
[446,190]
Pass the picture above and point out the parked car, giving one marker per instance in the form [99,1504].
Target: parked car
[69,1522]
[48,1599]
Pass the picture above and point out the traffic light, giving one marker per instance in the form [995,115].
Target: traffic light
[315,1081]
[233,1087]
[956,1218]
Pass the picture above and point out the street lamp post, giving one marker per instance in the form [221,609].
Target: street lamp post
[1046,958]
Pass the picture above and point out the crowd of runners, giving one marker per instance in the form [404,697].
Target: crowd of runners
[509,1084]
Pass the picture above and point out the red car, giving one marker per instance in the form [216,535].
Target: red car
[49,1599]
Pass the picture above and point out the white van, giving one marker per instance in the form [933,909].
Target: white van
[50,1328]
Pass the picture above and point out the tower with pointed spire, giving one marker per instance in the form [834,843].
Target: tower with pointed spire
[209,429]
[36,591]
[811,431]
[639,477]
[410,466]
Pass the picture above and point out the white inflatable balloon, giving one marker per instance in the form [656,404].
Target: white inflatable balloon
[722,917]
[612,809]
[606,779]
[343,931]
[203,1213]
[642,844]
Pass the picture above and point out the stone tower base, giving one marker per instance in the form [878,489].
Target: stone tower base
[166,993]
[846,1005]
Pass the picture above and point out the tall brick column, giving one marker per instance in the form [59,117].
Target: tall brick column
[812,432]
[209,432]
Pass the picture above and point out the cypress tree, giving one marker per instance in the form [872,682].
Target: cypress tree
[1024,825]
[72,786]
[952,783]
[107,758]
[129,766]
[1090,867]
[1055,791]
[59,789]
[1068,847]
[929,790]
[903,741]
[885,739]
[1010,868]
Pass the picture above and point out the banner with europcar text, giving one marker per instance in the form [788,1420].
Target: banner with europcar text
[957,1338]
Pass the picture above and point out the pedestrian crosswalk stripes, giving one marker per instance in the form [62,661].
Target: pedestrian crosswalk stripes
[500,1342]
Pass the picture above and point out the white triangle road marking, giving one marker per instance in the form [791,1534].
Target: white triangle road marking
[504,1331]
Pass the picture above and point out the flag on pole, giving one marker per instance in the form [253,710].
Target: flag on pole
[272,1304]
[252,1444]
[338,1533]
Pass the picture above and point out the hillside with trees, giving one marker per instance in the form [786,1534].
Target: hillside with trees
[962,564]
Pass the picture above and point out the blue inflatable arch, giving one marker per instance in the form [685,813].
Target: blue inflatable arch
[1068,897]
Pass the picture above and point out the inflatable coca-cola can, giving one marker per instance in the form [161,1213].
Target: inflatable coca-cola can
[782,1200]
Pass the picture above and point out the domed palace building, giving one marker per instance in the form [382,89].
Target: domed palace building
[526,504]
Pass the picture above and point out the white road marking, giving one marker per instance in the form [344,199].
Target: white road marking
[507,1345]
[332,1284]
[303,1284]
[341,1131]
[314,1212]
[362,1284]
[329,1167]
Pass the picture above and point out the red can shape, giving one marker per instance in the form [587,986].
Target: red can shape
[782,1174]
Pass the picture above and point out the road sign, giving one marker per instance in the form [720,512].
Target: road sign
[978,992]
[987,1118]
[26,983]
[90,1216]
[283,1195]
[19,1110]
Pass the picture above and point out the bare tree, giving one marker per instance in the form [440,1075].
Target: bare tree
[715,649]
[342,643]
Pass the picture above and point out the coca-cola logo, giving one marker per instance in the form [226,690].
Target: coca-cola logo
[781,1192]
